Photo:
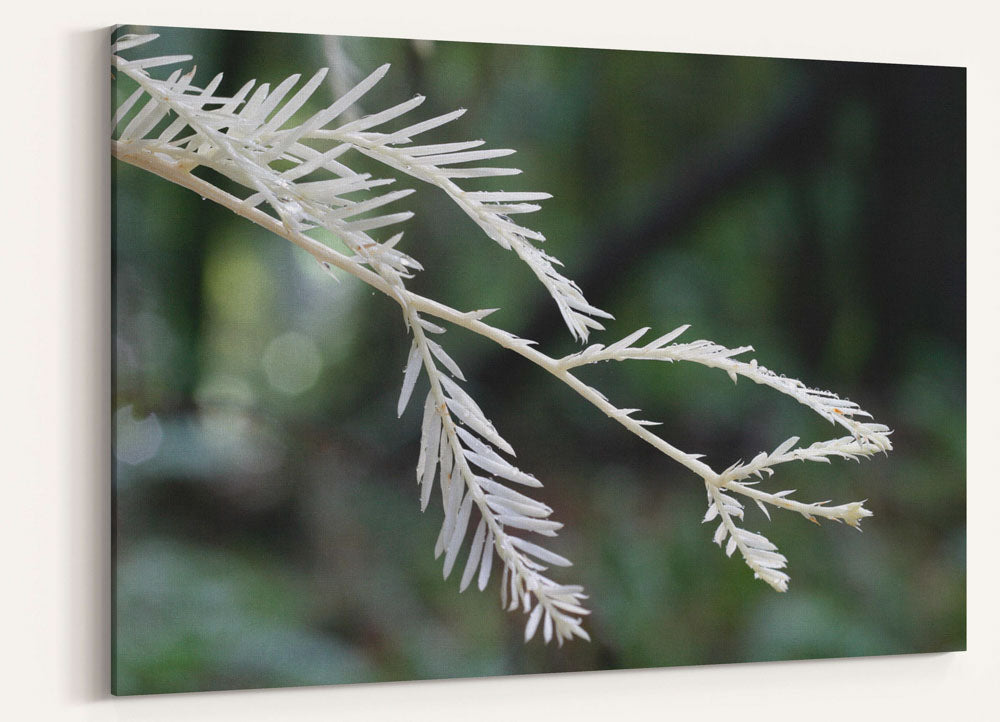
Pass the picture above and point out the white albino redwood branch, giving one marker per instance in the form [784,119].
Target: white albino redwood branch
[240,137]
[470,321]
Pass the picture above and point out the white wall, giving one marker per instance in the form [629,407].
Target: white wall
[54,282]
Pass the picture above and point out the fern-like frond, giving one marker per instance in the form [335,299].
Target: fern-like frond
[434,164]
[827,404]
[205,130]
[847,447]
[459,447]
[249,136]
[758,552]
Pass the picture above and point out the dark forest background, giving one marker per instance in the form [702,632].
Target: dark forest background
[267,526]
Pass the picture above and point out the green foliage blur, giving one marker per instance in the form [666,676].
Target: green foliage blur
[267,525]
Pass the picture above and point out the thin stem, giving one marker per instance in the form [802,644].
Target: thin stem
[851,513]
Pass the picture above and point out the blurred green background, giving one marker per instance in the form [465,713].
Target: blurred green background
[267,525]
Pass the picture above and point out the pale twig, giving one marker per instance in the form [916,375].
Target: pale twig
[243,136]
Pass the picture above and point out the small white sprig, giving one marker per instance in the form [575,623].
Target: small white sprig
[458,445]
[707,353]
[758,552]
[172,128]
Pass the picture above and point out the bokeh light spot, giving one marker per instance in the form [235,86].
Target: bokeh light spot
[292,363]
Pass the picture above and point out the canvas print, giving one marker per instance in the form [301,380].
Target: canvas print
[394,402]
